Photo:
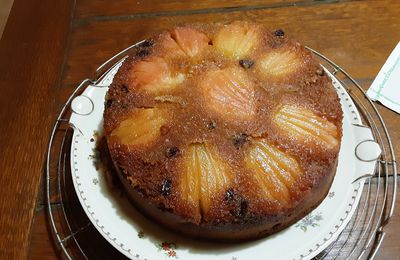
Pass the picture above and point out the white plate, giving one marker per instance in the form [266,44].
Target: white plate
[138,238]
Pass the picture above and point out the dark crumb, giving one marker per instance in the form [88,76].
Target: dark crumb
[321,72]
[147,43]
[109,102]
[244,205]
[210,43]
[240,139]
[124,88]
[166,187]
[279,33]
[162,207]
[171,152]
[242,210]
[246,64]
[229,194]
[211,125]
[140,190]
[276,225]
[124,172]
[143,53]
[164,130]
[140,234]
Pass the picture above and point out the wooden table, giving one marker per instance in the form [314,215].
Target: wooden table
[49,46]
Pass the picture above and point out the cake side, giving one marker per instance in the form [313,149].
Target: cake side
[247,229]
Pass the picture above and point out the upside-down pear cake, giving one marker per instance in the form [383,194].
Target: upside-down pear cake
[228,132]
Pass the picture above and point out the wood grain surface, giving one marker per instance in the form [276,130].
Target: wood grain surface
[339,30]
[47,49]
[32,52]
[127,9]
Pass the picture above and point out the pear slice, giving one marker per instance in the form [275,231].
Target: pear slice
[304,125]
[279,63]
[273,170]
[204,177]
[191,41]
[153,75]
[229,93]
[141,127]
[169,47]
[237,39]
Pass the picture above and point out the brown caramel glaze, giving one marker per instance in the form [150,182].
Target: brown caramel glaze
[240,213]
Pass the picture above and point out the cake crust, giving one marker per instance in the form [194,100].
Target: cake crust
[228,132]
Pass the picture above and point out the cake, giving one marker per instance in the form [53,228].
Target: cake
[226,131]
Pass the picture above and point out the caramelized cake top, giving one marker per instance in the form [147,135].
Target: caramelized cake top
[223,123]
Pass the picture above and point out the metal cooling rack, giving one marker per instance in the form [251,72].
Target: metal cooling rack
[76,237]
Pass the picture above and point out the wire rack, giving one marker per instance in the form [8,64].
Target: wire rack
[76,238]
